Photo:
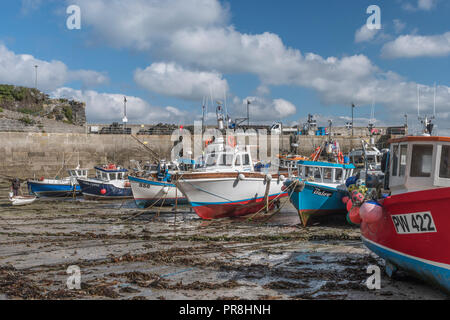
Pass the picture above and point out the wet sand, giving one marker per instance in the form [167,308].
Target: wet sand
[127,253]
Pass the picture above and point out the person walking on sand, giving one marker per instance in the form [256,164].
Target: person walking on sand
[15,187]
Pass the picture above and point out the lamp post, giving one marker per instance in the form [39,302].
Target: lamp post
[36,73]
[124,120]
[248,113]
[353,107]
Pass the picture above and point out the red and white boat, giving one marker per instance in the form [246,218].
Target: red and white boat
[228,186]
[411,228]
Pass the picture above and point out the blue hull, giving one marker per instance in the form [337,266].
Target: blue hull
[438,274]
[93,191]
[315,200]
[52,190]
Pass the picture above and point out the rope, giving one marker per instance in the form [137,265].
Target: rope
[271,201]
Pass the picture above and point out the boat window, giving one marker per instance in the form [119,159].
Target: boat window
[246,159]
[327,173]
[444,171]
[211,160]
[338,174]
[395,160]
[104,176]
[317,173]
[237,162]
[226,159]
[403,155]
[421,161]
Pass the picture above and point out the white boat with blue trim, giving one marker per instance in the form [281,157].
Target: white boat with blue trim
[156,188]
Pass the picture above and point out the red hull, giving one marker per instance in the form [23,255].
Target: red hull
[235,209]
[422,243]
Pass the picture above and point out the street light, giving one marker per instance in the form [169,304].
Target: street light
[35,82]
[353,107]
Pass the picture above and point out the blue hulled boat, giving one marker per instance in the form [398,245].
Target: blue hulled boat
[110,182]
[58,187]
[318,188]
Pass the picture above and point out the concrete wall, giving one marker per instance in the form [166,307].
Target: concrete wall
[43,154]
[26,154]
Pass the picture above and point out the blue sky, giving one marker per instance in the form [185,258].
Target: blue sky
[290,58]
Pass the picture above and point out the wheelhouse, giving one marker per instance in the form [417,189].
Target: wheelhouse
[106,174]
[229,159]
[78,173]
[419,163]
[324,172]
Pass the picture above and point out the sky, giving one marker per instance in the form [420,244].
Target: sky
[288,58]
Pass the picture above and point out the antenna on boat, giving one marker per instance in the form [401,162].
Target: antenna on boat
[434,101]
[203,114]
[426,121]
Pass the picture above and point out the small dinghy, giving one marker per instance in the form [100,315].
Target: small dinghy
[21,200]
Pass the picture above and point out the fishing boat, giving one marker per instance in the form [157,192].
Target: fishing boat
[410,229]
[318,188]
[228,186]
[58,187]
[156,187]
[21,200]
[110,182]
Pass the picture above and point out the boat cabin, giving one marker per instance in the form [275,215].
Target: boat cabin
[419,163]
[324,172]
[373,156]
[78,173]
[228,159]
[109,173]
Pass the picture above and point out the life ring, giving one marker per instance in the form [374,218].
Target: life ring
[231,141]
[341,157]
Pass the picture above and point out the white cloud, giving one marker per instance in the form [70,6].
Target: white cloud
[142,23]
[411,46]
[424,5]
[399,26]
[365,34]
[108,107]
[18,69]
[172,80]
[263,109]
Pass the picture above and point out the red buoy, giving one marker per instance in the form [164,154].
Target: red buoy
[103,191]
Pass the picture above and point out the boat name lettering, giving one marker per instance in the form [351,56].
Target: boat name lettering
[144,185]
[414,223]
[322,193]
